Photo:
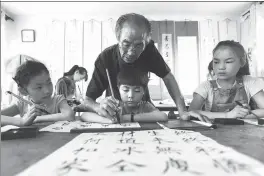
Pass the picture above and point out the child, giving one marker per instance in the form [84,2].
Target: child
[132,85]
[34,81]
[232,84]
[66,85]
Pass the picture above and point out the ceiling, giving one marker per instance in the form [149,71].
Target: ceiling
[115,9]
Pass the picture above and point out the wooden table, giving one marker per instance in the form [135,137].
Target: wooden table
[168,106]
[17,155]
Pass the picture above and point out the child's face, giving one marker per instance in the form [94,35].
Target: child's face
[131,42]
[226,63]
[78,76]
[131,95]
[40,88]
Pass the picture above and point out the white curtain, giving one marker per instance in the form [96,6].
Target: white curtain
[92,48]
[108,33]
[55,46]
[248,37]
[7,63]
[3,45]
[252,27]
[259,52]
[210,33]
[208,39]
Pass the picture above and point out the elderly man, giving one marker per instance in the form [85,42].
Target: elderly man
[134,49]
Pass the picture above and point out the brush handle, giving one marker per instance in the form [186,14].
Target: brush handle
[42,108]
[112,92]
[110,84]
[20,98]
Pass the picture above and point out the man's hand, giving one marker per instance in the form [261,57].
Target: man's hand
[30,116]
[108,108]
[187,115]
[237,112]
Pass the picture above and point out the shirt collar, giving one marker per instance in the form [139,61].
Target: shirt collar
[218,85]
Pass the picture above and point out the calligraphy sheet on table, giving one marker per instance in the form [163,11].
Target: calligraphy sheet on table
[66,126]
[145,153]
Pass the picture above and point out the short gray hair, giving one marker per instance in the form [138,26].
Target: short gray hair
[131,17]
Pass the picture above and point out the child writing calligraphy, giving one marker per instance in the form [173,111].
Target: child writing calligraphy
[132,84]
[230,86]
[34,82]
[67,84]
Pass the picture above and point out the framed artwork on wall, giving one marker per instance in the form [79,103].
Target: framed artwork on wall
[28,35]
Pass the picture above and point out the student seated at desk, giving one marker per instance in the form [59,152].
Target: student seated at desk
[34,82]
[67,84]
[231,85]
[132,84]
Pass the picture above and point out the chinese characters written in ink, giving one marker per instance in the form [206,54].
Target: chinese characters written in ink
[129,150]
[76,163]
[178,164]
[126,166]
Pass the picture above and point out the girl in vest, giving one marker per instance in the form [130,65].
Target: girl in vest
[219,96]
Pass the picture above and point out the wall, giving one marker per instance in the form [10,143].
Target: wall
[34,49]
[9,39]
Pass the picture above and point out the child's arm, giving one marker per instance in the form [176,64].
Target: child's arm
[11,111]
[198,102]
[6,120]
[155,116]
[93,117]
[66,113]
[150,114]
[27,119]
[259,99]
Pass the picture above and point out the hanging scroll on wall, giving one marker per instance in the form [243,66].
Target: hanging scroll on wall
[167,50]
[167,54]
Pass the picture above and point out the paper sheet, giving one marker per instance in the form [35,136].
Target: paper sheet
[154,152]
[8,127]
[65,126]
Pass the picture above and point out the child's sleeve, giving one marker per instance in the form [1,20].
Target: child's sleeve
[253,85]
[61,88]
[59,99]
[203,89]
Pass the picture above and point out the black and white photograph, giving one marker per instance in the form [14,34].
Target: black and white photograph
[126,88]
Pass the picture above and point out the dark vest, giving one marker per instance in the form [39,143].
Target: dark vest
[224,99]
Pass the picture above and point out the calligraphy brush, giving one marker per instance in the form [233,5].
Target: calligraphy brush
[112,92]
[42,108]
